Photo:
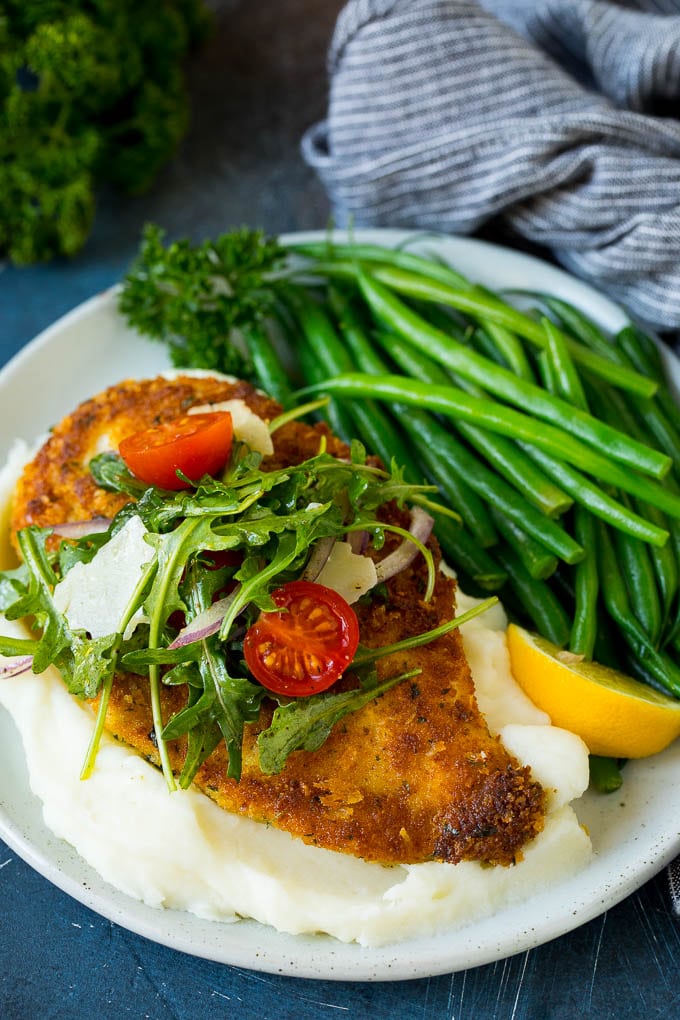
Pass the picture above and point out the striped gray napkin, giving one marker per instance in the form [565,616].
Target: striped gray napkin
[558,118]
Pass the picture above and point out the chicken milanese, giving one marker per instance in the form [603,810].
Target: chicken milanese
[414,775]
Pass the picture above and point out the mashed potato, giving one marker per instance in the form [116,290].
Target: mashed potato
[181,851]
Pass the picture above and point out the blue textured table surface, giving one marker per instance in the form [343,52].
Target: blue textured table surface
[257,85]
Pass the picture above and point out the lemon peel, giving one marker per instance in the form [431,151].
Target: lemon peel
[614,714]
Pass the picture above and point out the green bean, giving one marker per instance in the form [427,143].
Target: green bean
[639,669]
[442,464]
[665,562]
[547,372]
[463,552]
[414,362]
[565,379]
[363,353]
[502,383]
[660,413]
[380,436]
[562,584]
[328,256]
[673,625]
[509,461]
[644,354]
[474,301]
[674,644]
[596,500]
[465,555]
[640,579]
[661,428]
[372,424]
[439,448]
[610,405]
[605,774]
[608,648]
[510,349]
[572,320]
[615,596]
[318,330]
[335,414]
[561,378]
[269,370]
[477,303]
[504,455]
[570,388]
[536,598]
[645,419]
[445,449]
[586,588]
[418,425]
[642,351]
[537,561]
[505,342]
[489,338]
[448,320]
[480,341]
[431,442]
[666,558]
[498,418]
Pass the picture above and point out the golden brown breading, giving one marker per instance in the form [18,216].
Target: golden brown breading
[414,775]
[57,485]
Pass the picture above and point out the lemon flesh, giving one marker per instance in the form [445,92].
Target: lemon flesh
[614,714]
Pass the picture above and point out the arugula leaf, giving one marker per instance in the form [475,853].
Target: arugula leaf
[83,551]
[305,723]
[36,600]
[13,586]
[273,520]
[110,473]
[17,646]
[225,704]
[94,663]
[239,701]
[139,659]
[201,742]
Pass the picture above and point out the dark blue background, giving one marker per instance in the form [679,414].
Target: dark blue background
[256,86]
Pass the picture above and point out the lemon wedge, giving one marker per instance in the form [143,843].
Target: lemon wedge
[614,714]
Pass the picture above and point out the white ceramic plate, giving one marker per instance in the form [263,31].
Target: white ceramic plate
[634,832]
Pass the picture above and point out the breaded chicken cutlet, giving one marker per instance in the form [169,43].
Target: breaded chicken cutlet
[414,775]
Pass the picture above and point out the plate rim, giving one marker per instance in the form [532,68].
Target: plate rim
[411,959]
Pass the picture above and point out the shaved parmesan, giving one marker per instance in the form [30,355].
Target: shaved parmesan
[348,573]
[94,596]
[248,426]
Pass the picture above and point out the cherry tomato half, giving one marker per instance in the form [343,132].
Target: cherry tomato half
[306,645]
[196,444]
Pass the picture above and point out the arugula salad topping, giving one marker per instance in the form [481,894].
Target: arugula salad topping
[211,559]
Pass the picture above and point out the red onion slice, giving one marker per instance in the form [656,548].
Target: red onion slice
[206,623]
[358,541]
[15,666]
[420,527]
[78,529]
[318,558]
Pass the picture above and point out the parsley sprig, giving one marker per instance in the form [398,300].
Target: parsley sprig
[192,297]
